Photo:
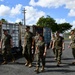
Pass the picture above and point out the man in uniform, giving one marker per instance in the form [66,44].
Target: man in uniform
[28,43]
[36,38]
[7,42]
[72,43]
[59,46]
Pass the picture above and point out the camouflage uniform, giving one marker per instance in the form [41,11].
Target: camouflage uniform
[58,47]
[40,52]
[73,44]
[36,38]
[7,47]
[27,46]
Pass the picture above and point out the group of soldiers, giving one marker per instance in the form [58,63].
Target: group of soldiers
[57,45]
[35,45]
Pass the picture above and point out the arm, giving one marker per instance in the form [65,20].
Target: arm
[45,50]
[11,42]
[33,41]
[36,49]
[50,46]
[53,44]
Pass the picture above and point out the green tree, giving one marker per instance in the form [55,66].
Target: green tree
[64,27]
[20,23]
[47,22]
[3,20]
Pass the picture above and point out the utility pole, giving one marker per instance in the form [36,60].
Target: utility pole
[24,11]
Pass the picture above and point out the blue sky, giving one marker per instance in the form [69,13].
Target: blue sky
[61,10]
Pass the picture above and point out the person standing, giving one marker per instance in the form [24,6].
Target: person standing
[41,49]
[28,43]
[36,37]
[7,42]
[59,46]
[72,43]
[52,43]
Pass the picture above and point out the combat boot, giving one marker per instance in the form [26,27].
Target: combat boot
[58,63]
[26,63]
[5,62]
[42,69]
[13,60]
[73,63]
[37,69]
[30,65]
[55,58]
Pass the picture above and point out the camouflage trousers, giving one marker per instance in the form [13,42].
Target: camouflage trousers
[38,57]
[28,54]
[7,51]
[58,53]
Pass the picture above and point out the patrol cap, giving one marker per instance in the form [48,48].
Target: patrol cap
[27,27]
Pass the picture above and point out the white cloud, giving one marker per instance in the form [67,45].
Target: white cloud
[73,23]
[4,10]
[71,13]
[48,3]
[68,4]
[18,20]
[16,10]
[7,11]
[60,21]
[33,14]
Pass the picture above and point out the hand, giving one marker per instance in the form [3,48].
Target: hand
[44,54]
[63,49]
[32,47]
[69,46]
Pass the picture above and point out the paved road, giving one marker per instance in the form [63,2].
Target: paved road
[18,68]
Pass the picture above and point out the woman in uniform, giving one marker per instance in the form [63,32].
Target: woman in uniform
[40,52]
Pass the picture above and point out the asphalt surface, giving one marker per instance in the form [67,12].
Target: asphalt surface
[18,68]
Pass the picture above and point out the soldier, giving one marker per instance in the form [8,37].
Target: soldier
[72,43]
[36,37]
[28,43]
[40,53]
[7,42]
[59,46]
[52,43]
